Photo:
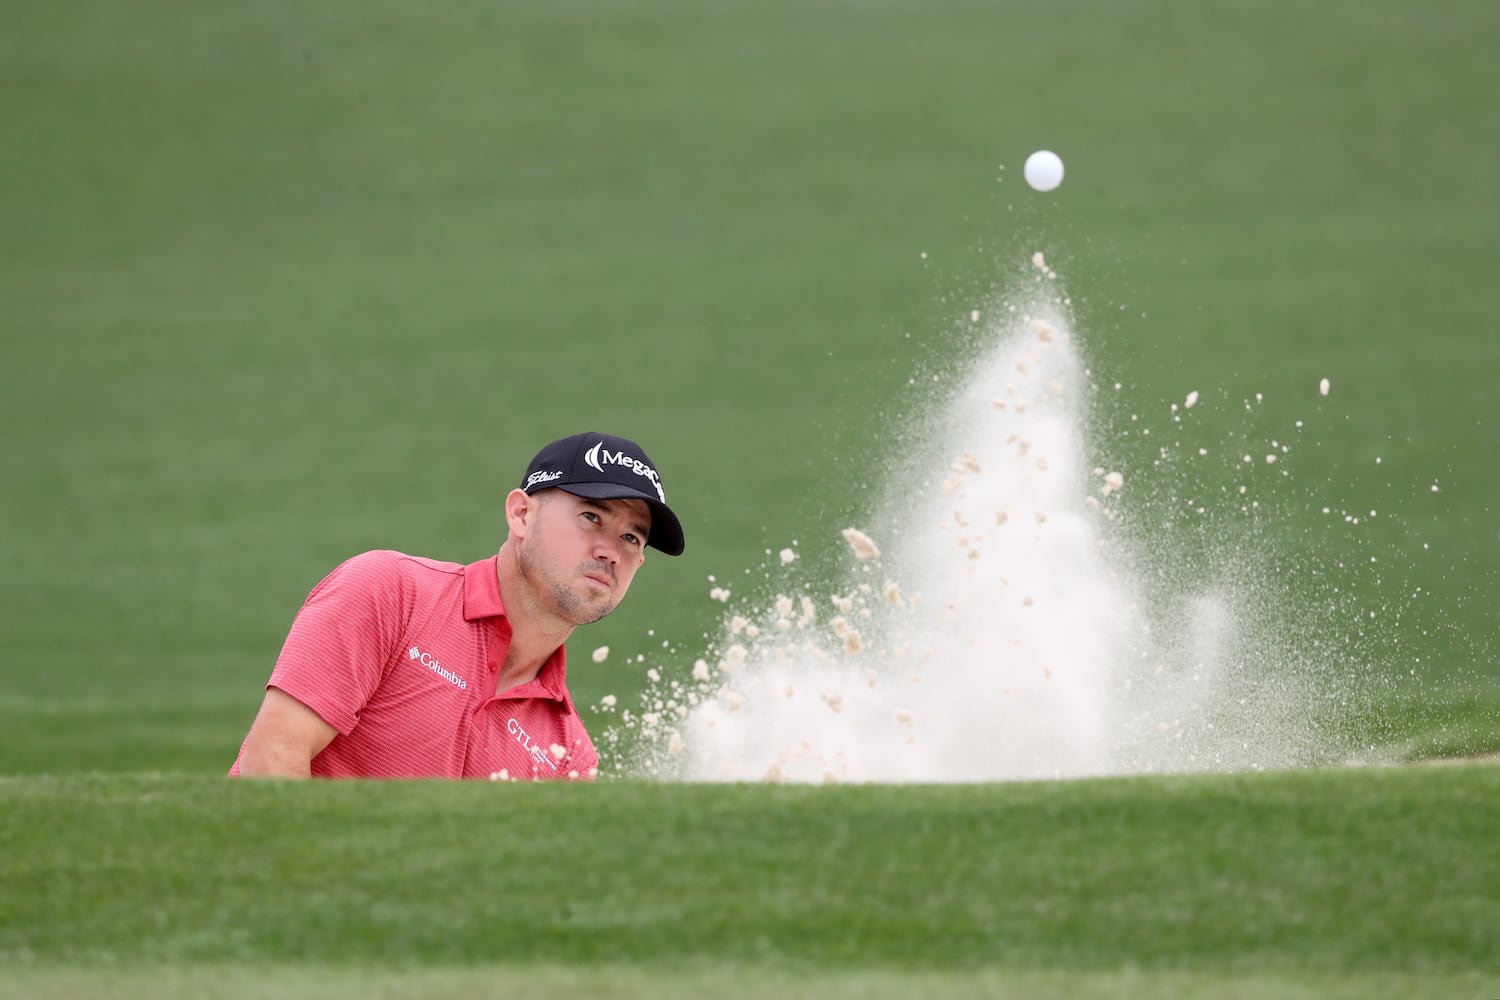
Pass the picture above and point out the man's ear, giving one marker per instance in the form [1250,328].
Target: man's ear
[520,512]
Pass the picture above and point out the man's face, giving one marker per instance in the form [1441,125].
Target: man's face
[582,553]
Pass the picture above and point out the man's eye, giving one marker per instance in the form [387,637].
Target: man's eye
[633,539]
[591,516]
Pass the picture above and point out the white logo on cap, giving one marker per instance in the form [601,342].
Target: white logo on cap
[598,456]
[542,477]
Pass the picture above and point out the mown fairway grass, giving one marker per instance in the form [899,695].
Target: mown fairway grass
[1339,877]
[283,282]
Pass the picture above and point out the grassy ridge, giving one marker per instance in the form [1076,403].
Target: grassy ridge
[1321,872]
[279,283]
[750,983]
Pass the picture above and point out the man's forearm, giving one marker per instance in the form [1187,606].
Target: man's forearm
[284,738]
[275,762]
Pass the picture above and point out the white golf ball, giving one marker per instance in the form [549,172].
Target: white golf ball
[1044,170]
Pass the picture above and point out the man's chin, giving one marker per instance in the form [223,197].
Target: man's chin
[596,604]
[583,605]
[595,612]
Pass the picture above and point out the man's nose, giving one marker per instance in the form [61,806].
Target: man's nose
[607,550]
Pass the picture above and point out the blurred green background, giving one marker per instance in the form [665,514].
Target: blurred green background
[283,282]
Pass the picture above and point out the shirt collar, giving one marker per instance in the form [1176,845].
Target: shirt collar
[482,600]
[482,590]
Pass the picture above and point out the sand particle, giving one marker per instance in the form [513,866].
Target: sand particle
[861,544]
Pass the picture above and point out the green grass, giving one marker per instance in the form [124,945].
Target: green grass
[755,983]
[281,283]
[286,283]
[1269,877]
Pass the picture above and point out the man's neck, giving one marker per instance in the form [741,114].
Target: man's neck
[535,634]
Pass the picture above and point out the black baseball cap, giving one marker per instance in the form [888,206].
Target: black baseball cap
[605,467]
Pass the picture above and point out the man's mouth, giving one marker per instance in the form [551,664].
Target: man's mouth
[603,577]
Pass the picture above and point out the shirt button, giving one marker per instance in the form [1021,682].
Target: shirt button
[494,666]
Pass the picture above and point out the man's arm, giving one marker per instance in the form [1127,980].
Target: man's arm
[284,738]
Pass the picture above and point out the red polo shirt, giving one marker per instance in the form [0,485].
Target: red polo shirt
[401,655]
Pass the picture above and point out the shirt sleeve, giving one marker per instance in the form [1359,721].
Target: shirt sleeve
[344,638]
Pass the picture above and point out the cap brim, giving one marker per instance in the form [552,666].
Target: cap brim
[666,530]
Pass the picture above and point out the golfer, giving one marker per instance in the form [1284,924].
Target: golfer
[402,667]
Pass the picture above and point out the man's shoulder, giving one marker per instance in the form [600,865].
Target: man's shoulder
[385,568]
[391,561]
